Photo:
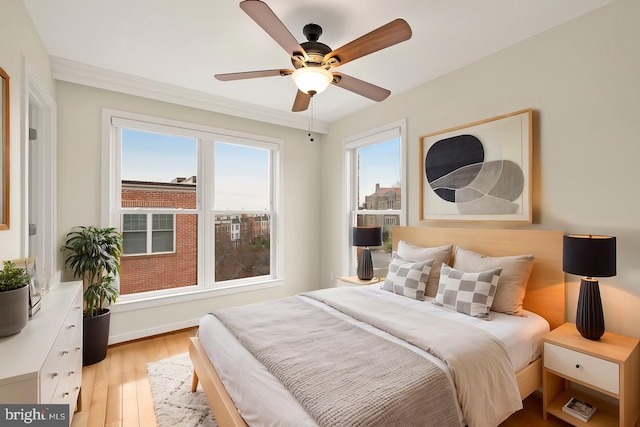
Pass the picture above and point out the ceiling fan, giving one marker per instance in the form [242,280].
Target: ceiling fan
[312,60]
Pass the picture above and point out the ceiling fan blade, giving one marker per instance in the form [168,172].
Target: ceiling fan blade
[252,74]
[360,87]
[392,33]
[301,102]
[262,14]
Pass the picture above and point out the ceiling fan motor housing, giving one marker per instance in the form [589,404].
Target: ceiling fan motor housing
[315,50]
[312,32]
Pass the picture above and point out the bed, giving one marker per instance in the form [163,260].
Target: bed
[544,298]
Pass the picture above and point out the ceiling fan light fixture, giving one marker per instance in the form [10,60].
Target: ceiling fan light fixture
[312,79]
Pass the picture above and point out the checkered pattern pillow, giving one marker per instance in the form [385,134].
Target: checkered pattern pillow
[468,293]
[407,278]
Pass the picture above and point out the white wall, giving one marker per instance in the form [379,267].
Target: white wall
[19,42]
[79,198]
[582,80]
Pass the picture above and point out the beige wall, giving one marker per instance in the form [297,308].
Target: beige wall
[79,198]
[582,79]
[19,42]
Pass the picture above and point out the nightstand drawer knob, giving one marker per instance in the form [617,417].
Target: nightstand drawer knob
[577,365]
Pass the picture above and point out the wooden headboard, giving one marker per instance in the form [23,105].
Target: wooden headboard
[545,290]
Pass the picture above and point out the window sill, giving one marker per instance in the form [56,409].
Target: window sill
[128,303]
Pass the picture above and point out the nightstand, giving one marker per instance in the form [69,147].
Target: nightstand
[354,281]
[609,366]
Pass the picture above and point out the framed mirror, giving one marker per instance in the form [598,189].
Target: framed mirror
[4,150]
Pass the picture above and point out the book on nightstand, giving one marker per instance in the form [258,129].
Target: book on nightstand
[579,409]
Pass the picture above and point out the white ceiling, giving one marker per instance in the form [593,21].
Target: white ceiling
[184,43]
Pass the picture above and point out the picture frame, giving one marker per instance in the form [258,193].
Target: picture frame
[35,287]
[480,171]
[4,150]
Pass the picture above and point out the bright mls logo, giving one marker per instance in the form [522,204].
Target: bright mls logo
[34,415]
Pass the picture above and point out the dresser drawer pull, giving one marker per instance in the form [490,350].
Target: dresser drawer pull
[65,394]
[78,348]
[64,352]
[71,326]
[71,373]
[55,374]
[577,366]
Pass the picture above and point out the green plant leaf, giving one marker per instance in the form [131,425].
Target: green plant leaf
[13,277]
[93,255]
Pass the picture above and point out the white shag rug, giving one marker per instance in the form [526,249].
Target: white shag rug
[174,403]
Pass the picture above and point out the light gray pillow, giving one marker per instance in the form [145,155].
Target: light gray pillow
[407,278]
[439,255]
[468,293]
[512,285]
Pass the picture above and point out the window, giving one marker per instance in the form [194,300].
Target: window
[376,190]
[241,212]
[147,233]
[162,233]
[196,205]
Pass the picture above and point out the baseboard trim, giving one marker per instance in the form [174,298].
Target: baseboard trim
[157,330]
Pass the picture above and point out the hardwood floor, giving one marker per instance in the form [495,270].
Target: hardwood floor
[116,391]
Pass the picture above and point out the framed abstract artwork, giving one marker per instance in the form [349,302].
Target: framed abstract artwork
[478,172]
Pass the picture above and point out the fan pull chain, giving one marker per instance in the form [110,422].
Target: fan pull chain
[310,119]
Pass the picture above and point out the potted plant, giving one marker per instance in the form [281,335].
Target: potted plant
[14,299]
[93,254]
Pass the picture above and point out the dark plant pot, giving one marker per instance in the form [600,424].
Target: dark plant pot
[14,311]
[95,337]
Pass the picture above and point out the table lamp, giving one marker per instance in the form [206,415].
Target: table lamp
[366,237]
[589,256]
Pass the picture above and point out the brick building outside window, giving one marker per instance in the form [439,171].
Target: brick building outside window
[160,250]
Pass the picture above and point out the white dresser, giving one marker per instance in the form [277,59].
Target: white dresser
[43,363]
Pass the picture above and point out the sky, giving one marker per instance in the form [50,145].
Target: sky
[379,164]
[241,173]
[157,157]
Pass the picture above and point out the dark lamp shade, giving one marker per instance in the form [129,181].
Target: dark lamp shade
[589,256]
[367,236]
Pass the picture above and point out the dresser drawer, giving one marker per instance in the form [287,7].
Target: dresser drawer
[582,367]
[51,371]
[63,353]
[70,379]
[69,383]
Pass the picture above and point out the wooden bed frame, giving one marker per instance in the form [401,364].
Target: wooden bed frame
[545,296]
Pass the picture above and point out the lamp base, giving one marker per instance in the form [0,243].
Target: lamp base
[365,265]
[589,317]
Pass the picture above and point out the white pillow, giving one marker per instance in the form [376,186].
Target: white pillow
[439,255]
[512,285]
[407,278]
[468,293]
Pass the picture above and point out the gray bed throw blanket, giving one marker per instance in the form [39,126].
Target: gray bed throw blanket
[486,385]
[341,374]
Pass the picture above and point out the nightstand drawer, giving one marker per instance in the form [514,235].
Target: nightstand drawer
[582,367]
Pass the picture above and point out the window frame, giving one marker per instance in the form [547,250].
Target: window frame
[396,129]
[112,210]
[149,234]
